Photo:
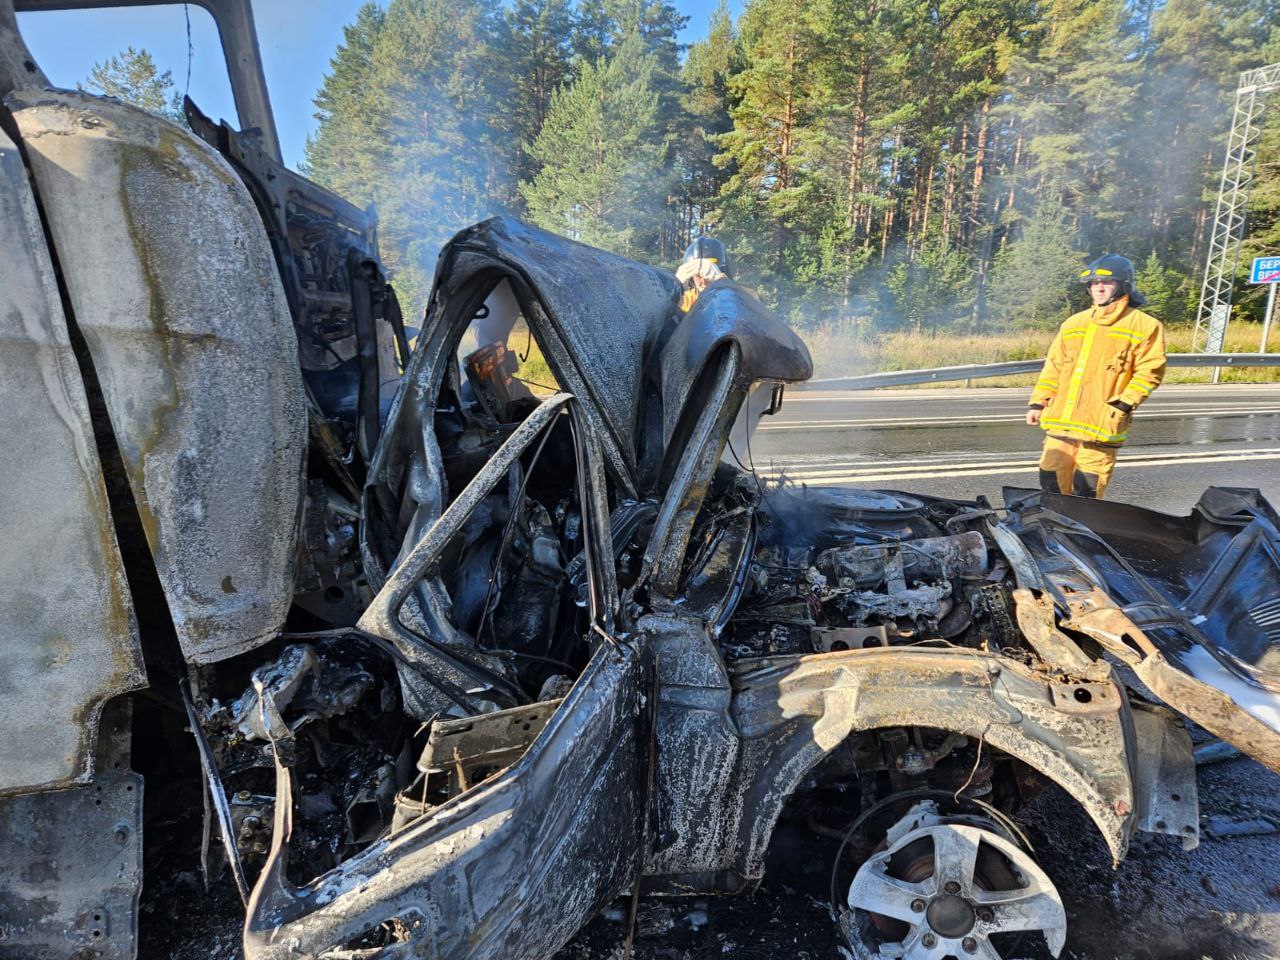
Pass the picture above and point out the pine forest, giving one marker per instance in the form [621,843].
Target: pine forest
[943,166]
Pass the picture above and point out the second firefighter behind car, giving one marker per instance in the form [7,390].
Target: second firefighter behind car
[704,262]
[1103,363]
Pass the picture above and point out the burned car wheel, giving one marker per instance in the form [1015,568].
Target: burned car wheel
[950,885]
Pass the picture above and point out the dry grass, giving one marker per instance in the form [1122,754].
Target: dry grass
[841,353]
[844,353]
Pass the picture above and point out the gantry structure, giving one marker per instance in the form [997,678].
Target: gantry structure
[1232,206]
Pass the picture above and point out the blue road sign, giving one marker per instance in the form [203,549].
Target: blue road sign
[1265,270]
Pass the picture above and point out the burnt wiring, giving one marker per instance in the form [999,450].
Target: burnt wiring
[538,658]
[973,772]
[528,345]
[750,466]
[534,383]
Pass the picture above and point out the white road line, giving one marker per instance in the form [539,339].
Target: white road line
[873,477]
[1019,412]
[976,461]
[1006,395]
[1168,391]
[809,464]
[1163,403]
[1007,418]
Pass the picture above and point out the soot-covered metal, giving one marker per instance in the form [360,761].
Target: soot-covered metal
[429,655]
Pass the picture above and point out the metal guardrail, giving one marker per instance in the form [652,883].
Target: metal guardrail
[1009,368]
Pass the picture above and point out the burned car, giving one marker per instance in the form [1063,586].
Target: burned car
[439,662]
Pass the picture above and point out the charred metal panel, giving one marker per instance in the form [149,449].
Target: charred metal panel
[467,751]
[17,67]
[1215,572]
[1211,704]
[791,712]
[67,624]
[725,313]
[71,861]
[698,453]
[725,770]
[326,253]
[173,284]
[511,868]
[1164,771]
[698,748]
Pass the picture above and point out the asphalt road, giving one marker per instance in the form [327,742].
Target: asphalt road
[964,442]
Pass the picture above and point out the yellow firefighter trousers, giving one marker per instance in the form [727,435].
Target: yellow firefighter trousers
[1083,468]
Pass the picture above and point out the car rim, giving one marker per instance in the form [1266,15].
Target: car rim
[947,900]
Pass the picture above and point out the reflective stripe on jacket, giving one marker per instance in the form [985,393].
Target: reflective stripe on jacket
[1102,354]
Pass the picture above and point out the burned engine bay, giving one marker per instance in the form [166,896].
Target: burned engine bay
[895,578]
[416,653]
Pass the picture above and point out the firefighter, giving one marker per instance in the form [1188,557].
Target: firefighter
[705,262]
[1102,364]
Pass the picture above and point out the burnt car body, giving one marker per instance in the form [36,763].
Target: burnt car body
[453,665]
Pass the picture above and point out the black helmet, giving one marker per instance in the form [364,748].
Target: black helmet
[709,248]
[1112,266]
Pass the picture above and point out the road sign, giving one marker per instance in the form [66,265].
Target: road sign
[1265,270]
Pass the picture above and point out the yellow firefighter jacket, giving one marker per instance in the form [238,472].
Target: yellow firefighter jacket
[1101,354]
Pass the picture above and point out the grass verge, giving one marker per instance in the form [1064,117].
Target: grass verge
[841,353]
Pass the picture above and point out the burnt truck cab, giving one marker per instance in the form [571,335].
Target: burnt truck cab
[455,666]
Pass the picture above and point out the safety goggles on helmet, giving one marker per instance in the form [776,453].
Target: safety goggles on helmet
[1109,266]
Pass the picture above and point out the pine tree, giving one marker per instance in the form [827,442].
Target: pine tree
[853,50]
[705,76]
[768,193]
[1196,50]
[1167,292]
[935,161]
[1035,276]
[1072,95]
[593,33]
[601,167]
[132,76]
[414,119]
[537,53]
[932,289]
[656,23]
[349,149]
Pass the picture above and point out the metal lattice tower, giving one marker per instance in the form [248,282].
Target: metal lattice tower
[1233,199]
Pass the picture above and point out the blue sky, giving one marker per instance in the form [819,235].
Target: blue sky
[297,40]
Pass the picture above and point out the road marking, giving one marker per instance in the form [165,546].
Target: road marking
[926,473]
[979,460]
[1008,418]
[915,465]
[1166,394]
[1011,406]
